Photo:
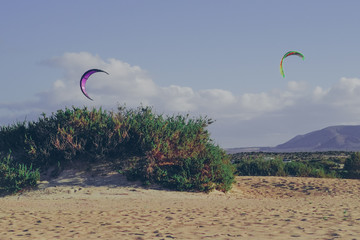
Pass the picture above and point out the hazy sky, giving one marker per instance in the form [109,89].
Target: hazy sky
[203,57]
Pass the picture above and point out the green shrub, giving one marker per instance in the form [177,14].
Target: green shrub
[297,169]
[14,177]
[174,151]
[65,137]
[178,153]
[352,166]
[260,167]
[276,167]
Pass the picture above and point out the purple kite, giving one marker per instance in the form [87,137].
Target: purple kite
[85,77]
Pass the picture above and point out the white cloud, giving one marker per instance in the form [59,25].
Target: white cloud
[297,86]
[176,98]
[243,120]
[350,85]
[72,62]
[216,98]
[344,94]
[319,93]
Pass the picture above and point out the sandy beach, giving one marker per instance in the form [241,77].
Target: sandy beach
[106,206]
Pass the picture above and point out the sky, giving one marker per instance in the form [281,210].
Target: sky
[218,59]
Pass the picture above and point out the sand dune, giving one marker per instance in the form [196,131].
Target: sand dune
[79,206]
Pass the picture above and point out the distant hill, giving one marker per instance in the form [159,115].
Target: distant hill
[334,138]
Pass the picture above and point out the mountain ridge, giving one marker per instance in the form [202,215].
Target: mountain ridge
[332,138]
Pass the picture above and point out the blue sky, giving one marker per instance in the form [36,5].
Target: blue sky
[214,58]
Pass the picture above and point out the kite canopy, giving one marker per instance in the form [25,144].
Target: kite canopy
[85,77]
[285,56]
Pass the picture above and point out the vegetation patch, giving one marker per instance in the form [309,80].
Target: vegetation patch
[14,177]
[174,151]
[298,164]
[352,166]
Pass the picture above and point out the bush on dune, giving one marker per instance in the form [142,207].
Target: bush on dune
[178,153]
[14,177]
[175,151]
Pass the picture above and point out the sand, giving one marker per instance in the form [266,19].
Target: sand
[106,206]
